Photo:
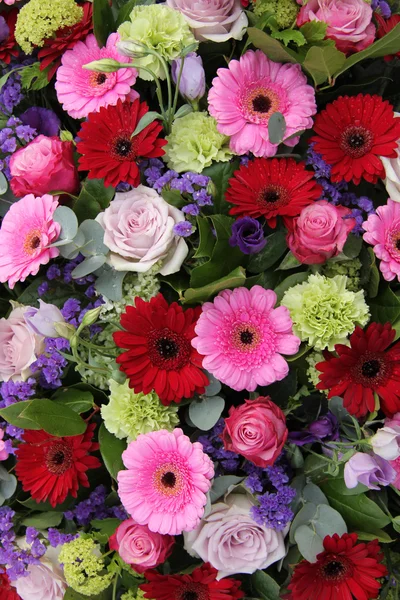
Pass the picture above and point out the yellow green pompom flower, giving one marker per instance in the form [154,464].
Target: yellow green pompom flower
[40,19]
[324,311]
[128,414]
[195,142]
[84,569]
[130,595]
[284,11]
[350,268]
[159,28]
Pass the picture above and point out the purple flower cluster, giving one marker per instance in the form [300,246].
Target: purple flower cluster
[51,364]
[63,274]
[213,446]
[382,7]
[16,559]
[338,193]
[324,429]
[95,508]
[57,538]
[11,92]
[10,393]
[12,137]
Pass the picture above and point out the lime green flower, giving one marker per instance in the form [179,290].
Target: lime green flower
[128,414]
[195,142]
[130,595]
[40,19]
[284,11]
[84,569]
[324,311]
[350,268]
[312,372]
[160,29]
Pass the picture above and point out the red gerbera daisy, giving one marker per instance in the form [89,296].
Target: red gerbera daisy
[200,585]
[384,26]
[8,47]
[364,368]
[7,592]
[343,571]
[51,468]
[160,356]
[353,133]
[270,187]
[64,40]
[108,148]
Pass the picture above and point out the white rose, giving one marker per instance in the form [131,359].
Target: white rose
[45,580]
[392,171]
[386,442]
[139,231]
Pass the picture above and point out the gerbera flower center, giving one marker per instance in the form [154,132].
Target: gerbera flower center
[168,350]
[372,369]
[336,569]
[193,591]
[246,337]
[59,457]
[123,147]
[356,141]
[168,479]
[97,79]
[259,103]
[273,197]
[32,242]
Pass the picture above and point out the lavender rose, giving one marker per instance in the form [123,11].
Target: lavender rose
[371,471]
[214,20]
[232,542]
[139,231]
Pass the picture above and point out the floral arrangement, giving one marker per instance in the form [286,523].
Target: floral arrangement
[200,299]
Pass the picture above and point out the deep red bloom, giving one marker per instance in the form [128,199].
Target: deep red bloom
[51,468]
[7,592]
[200,585]
[159,354]
[8,47]
[64,40]
[108,148]
[384,26]
[270,187]
[364,368]
[353,133]
[345,570]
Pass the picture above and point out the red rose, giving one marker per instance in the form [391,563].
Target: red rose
[256,430]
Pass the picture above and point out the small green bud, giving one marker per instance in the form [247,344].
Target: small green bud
[65,330]
[105,65]
[90,317]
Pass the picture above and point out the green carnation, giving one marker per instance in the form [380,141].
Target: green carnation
[40,19]
[324,311]
[128,414]
[350,268]
[195,142]
[284,11]
[84,569]
[159,28]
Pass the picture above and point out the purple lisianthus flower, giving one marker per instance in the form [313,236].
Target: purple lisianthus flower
[325,429]
[248,234]
[45,121]
[371,471]
[41,320]
[192,85]
[4,30]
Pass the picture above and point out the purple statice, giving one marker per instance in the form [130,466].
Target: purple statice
[43,288]
[70,311]
[11,92]
[273,509]
[213,445]
[183,229]
[51,364]
[191,209]
[382,7]
[12,137]
[94,508]
[202,198]
[15,391]
[57,538]
[17,560]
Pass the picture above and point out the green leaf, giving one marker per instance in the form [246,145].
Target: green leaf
[314,31]
[379,534]
[272,251]
[276,128]
[109,283]
[89,265]
[312,493]
[184,110]
[205,414]
[77,400]
[353,245]
[33,78]
[53,417]
[289,262]
[68,221]
[309,542]
[385,307]
[93,198]
[103,21]
[46,506]
[94,238]
[111,449]
[272,48]
[146,120]
[290,282]
[125,12]
[222,484]
[220,173]
[289,35]
[303,517]
[174,198]
[315,467]
[71,594]
[106,526]
[3,183]
[322,62]
[233,280]
[44,520]
[265,586]
[207,239]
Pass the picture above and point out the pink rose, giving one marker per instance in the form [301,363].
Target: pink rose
[256,430]
[232,542]
[218,20]
[3,450]
[139,547]
[45,165]
[19,346]
[349,22]
[320,232]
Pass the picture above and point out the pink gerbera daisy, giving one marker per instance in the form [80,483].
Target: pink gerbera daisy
[82,92]
[245,95]
[166,481]
[242,337]
[383,232]
[26,233]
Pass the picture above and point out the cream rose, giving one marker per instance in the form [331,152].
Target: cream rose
[139,231]
[45,580]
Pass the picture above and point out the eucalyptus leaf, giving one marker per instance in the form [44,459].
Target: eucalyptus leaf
[309,542]
[303,517]
[353,245]
[214,386]
[8,486]
[89,265]
[94,238]
[276,128]
[184,110]
[222,484]
[206,413]
[68,221]
[146,120]
[3,183]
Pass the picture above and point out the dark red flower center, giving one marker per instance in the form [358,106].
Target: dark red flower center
[335,569]
[59,457]
[246,337]
[193,591]
[168,479]
[168,350]
[356,141]
[372,369]
[123,146]
[273,196]
[261,104]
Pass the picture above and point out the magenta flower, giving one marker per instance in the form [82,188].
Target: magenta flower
[242,337]
[383,232]
[166,481]
[26,233]
[245,95]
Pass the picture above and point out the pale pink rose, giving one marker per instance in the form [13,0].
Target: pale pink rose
[386,441]
[139,231]
[232,542]
[19,346]
[349,22]
[320,232]
[214,20]
[45,165]
[45,580]
[256,430]
[139,547]
[3,451]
